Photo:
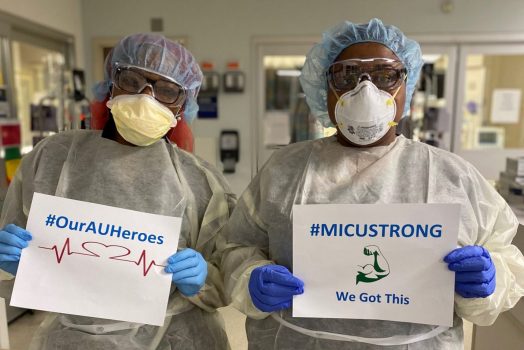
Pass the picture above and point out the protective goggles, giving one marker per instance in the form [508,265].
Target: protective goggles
[132,80]
[387,74]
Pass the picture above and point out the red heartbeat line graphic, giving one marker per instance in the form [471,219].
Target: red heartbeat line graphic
[66,249]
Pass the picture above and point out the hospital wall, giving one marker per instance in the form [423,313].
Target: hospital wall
[223,30]
[62,15]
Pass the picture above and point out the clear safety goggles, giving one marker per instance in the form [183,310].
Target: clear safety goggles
[131,79]
[385,73]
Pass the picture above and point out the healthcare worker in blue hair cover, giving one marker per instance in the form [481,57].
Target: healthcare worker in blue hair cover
[131,164]
[360,78]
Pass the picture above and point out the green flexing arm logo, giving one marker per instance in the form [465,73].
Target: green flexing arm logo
[373,272]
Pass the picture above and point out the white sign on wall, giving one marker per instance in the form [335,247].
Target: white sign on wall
[505,106]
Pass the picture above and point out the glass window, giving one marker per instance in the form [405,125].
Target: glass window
[493,112]
[429,119]
[287,115]
[39,82]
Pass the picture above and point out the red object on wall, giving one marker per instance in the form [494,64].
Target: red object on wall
[10,134]
[181,135]
[99,114]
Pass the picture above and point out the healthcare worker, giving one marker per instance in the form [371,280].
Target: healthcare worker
[361,79]
[153,83]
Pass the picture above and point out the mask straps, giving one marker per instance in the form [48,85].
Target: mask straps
[398,89]
[111,87]
[390,101]
[181,110]
[339,124]
[335,92]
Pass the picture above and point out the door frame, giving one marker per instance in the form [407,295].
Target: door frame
[260,47]
[16,28]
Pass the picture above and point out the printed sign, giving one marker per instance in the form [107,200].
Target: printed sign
[375,261]
[95,260]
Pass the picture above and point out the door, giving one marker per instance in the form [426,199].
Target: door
[433,102]
[489,111]
[39,91]
[282,115]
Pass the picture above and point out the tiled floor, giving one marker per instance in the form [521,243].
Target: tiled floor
[21,329]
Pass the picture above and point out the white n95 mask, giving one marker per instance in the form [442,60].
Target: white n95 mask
[365,114]
[140,119]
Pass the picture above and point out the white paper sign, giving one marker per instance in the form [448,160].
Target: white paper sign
[95,260]
[505,106]
[4,337]
[277,128]
[380,261]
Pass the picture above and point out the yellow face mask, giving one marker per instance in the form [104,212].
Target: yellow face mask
[140,119]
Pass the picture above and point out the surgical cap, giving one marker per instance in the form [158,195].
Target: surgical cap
[160,55]
[335,40]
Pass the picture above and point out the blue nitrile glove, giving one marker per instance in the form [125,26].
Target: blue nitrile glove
[12,240]
[272,287]
[189,271]
[474,271]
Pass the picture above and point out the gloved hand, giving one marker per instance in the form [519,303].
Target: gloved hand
[12,240]
[189,271]
[474,271]
[272,287]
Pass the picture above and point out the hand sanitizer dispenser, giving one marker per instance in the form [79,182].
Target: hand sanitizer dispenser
[229,150]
